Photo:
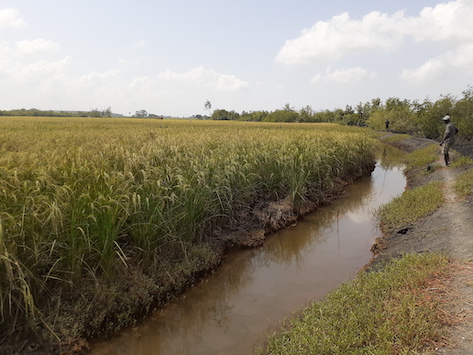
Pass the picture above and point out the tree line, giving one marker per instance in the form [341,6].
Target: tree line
[405,116]
[106,112]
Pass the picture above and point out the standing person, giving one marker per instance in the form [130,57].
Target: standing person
[448,138]
[387,124]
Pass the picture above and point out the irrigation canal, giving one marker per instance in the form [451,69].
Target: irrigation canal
[232,311]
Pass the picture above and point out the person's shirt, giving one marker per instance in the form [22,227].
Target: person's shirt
[450,132]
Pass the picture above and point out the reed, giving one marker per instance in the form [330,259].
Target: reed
[81,199]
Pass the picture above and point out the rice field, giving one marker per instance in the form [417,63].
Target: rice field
[87,198]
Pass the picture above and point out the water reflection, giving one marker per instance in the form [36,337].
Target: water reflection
[230,312]
[390,157]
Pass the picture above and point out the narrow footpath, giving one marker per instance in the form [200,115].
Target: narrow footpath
[458,219]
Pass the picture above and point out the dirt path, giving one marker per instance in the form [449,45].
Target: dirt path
[449,229]
[460,213]
[457,217]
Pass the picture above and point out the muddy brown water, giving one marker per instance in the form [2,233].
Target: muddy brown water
[232,311]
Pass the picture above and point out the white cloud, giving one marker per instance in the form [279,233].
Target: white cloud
[24,54]
[6,51]
[24,61]
[142,85]
[140,43]
[206,77]
[45,68]
[96,86]
[448,23]
[350,75]
[34,47]
[430,70]
[462,57]
[10,18]
[30,81]
[95,78]
[35,73]
[442,66]
[230,83]
[198,74]
[342,35]
[130,62]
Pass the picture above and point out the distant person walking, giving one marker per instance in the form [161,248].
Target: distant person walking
[448,138]
[387,124]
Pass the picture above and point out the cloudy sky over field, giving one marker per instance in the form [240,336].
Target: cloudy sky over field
[169,56]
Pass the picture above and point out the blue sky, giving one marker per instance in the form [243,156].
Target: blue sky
[169,57]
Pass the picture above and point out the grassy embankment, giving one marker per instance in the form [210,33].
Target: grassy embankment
[100,219]
[415,203]
[388,311]
[463,185]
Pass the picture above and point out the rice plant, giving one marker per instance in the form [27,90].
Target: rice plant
[81,199]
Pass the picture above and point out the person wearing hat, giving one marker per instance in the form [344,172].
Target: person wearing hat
[448,138]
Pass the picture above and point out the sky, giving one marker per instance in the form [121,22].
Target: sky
[169,57]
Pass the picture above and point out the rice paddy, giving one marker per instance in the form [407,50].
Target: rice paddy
[83,200]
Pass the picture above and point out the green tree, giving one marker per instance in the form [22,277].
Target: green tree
[107,112]
[398,112]
[287,107]
[255,116]
[306,114]
[327,116]
[432,117]
[282,116]
[349,116]
[208,106]
[221,114]
[377,119]
[375,104]
[94,113]
[463,114]
[141,114]
[429,126]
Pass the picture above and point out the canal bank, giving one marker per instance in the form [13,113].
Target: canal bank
[449,229]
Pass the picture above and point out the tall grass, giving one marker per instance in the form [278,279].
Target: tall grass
[393,311]
[85,198]
[410,206]
[422,157]
[463,185]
